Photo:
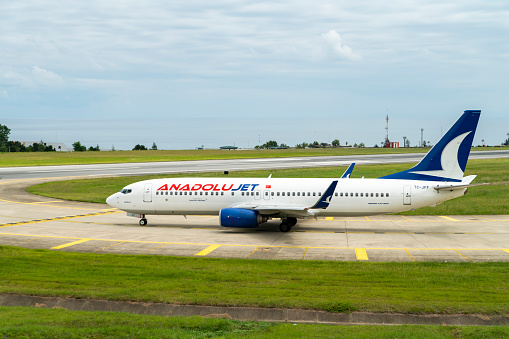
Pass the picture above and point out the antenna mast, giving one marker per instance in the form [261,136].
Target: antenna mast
[387,142]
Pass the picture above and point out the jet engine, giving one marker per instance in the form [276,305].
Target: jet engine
[240,218]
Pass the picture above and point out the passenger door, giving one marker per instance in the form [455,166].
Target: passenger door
[147,193]
[407,195]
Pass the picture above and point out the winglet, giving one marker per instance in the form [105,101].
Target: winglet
[348,171]
[324,201]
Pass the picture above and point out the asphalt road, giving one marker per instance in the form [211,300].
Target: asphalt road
[128,169]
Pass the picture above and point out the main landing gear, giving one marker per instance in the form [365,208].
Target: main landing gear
[287,224]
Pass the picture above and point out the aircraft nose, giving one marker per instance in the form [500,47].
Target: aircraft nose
[112,200]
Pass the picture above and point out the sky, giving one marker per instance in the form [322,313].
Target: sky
[184,74]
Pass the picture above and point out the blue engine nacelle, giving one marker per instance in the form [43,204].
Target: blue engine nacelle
[240,218]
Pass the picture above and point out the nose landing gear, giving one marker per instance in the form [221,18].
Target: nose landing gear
[143,221]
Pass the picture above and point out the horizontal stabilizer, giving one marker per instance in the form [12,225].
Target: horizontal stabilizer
[465,183]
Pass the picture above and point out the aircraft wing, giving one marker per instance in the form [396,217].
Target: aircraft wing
[301,210]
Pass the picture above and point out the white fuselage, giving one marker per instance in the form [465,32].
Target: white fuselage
[352,197]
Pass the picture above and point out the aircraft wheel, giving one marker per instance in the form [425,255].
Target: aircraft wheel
[291,221]
[143,222]
[284,227]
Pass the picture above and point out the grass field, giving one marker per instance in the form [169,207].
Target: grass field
[417,287]
[74,158]
[479,200]
[18,322]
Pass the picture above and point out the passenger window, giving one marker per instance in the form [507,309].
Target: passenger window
[372,195]
[387,195]
[362,194]
[166,192]
[356,194]
[376,195]
[233,193]
[257,193]
[382,195]
[319,194]
[278,194]
[336,194]
[157,193]
[341,194]
[309,194]
[272,193]
[222,193]
[293,194]
[351,194]
[283,194]
[314,193]
[298,194]
[242,193]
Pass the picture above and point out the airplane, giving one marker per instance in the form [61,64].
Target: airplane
[247,203]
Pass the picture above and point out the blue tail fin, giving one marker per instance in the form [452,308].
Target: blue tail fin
[348,171]
[447,160]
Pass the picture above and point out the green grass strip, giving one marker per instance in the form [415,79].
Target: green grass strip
[19,322]
[80,158]
[332,286]
[479,200]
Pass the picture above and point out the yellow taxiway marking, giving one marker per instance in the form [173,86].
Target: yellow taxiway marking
[57,218]
[256,249]
[409,255]
[208,250]
[45,202]
[448,218]
[462,255]
[329,218]
[69,244]
[304,254]
[361,254]
[358,250]
[155,248]
[406,218]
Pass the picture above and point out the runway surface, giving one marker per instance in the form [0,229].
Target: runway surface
[36,222]
[220,165]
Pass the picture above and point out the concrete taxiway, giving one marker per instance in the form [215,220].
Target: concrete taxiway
[36,222]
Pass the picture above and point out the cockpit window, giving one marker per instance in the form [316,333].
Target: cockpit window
[126,191]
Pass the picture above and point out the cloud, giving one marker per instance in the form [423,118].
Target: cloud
[43,77]
[333,47]
[34,78]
